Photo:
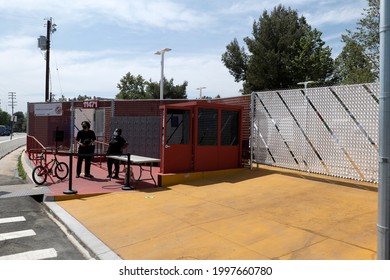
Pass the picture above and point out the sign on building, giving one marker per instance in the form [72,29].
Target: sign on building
[90,104]
[48,109]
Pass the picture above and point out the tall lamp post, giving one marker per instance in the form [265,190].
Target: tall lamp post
[305,83]
[306,99]
[305,86]
[200,91]
[162,52]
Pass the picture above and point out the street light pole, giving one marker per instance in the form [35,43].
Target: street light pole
[306,108]
[305,83]
[162,52]
[200,91]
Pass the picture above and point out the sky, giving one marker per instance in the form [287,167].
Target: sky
[98,41]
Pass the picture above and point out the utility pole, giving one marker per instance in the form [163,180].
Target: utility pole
[12,103]
[47,93]
[44,45]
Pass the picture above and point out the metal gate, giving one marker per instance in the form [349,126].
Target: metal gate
[327,130]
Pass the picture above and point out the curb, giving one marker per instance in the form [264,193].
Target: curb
[90,242]
[94,246]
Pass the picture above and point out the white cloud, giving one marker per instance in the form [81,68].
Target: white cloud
[133,14]
[99,41]
[344,14]
[203,71]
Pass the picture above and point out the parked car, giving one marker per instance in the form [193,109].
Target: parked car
[4,130]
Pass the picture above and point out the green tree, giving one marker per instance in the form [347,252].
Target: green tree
[175,91]
[131,87]
[352,65]
[5,118]
[282,51]
[83,97]
[153,89]
[359,60]
[62,98]
[20,124]
[236,60]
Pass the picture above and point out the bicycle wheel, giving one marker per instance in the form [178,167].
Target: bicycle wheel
[61,170]
[39,175]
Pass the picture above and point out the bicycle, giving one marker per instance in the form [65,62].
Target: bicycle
[40,172]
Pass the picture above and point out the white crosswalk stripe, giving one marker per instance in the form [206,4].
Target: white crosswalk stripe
[28,255]
[16,234]
[12,219]
[32,255]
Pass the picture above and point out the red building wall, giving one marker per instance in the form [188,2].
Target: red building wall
[43,127]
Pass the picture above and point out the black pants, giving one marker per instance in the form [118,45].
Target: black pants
[83,154]
[110,162]
[87,165]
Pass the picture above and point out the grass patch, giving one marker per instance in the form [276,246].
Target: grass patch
[21,172]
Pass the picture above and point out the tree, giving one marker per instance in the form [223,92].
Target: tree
[282,51]
[236,60]
[5,118]
[359,60]
[131,87]
[173,91]
[352,65]
[62,98]
[20,124]
[83,97]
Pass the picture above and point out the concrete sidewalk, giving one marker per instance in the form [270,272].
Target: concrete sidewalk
[242,214]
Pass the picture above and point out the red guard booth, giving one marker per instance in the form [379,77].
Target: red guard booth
[200,136]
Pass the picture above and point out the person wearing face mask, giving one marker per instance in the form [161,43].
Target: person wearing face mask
[115,147]
[85,139]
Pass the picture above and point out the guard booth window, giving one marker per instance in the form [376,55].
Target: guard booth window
[229,128]
[178,126]
[207,127]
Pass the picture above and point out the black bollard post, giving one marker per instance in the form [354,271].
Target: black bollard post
[127,186]
[70,191]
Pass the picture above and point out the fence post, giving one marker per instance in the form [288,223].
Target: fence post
[70,190]
[127,185]
[252,129]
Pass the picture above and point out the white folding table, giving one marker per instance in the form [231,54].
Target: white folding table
[141,162]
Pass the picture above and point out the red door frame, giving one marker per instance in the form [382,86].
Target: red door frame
[176,158]
[181,158]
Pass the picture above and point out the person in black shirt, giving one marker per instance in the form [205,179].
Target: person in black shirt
[115,147]
[86,139]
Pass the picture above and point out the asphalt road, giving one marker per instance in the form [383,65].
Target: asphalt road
[27,232]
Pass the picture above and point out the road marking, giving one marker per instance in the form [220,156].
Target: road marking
[32,255]
[16,234]
[12,220]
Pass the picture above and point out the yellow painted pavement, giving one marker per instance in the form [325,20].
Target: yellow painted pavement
[245,214]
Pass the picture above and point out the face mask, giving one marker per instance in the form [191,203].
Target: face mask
[84,127]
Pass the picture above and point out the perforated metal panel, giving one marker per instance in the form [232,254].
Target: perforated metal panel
[328,130]
[141,133]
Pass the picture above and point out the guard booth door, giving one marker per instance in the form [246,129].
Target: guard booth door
[176,150]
